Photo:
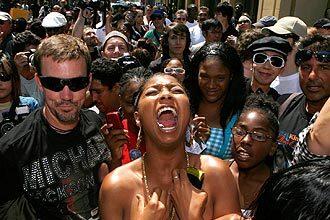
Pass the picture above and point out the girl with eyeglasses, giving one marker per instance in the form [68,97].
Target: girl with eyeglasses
[253,145]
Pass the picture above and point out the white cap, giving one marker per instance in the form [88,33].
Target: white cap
[288,25]
[54,20]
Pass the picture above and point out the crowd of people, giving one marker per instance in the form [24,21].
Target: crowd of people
[130,112]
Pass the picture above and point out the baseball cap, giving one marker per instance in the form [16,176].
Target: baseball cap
[54,20]
[265,21]
[272,43]
[288,25]
[114,34]
[4,16]
[157,13]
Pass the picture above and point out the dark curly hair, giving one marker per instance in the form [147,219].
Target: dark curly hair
[268,107]
[23,40]
[107,71]
[315,42]
[235,96]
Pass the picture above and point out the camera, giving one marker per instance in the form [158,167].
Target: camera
[10,120]
[30,55]
[93,5]
[7,123]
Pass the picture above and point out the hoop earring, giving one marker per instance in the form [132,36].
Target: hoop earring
[136,152]
[139,138]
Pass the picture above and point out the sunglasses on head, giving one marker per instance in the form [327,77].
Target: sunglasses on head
[169,70]
[57,84]
[305,55]
[275,61]
[5,77]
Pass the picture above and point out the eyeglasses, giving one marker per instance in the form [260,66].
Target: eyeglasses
[255,135]
[275,61]
[170,70]
[57,84]
[4,77]
[304,55]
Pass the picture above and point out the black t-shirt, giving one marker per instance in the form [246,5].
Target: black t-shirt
[293,120]
[56,173]
[229,31]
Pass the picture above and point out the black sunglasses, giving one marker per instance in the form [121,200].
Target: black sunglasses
[5,77]
[57,84]
[304,55]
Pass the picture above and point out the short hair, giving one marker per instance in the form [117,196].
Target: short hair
[226,10]
[181,11]
[299,192]
[62,47]
[244,40]
[235,96]
[107,71]
[204,8]
[178,29]
[9,69]
[210,24]
[143,56]
[38,29]
[23,40]
[148,45]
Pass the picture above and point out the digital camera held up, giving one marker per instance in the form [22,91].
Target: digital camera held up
[10,120]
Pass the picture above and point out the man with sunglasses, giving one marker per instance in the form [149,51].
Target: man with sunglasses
[269,57]
[313,62]
[51,161]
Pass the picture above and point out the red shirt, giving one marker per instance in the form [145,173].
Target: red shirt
[126,158]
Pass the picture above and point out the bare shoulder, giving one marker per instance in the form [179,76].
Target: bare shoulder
[211,164]
[122,177]
[121,181]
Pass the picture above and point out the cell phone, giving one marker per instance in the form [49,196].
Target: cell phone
[114,119]
[196,177]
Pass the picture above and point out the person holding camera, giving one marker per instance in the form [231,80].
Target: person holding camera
[13,107]
[25,44]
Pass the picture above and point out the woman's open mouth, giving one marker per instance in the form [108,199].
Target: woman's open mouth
[167,119]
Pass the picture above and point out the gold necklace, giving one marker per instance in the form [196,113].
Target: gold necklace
[145,180]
